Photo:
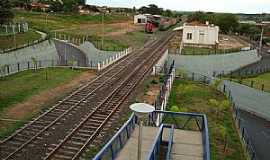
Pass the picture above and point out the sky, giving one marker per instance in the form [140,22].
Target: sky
[232,6]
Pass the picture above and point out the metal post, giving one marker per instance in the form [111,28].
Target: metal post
[261,39]
[140,140]
[18,66]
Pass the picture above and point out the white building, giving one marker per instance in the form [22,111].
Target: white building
[140,18]
[196,33]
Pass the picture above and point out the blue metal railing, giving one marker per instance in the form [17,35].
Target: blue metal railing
[153,154]
[182,120]
[111,149]
[117,142]
[170,143]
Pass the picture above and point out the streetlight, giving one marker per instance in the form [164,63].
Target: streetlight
[141,110]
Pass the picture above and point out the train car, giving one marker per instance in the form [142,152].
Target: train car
[166,23]
[149,27]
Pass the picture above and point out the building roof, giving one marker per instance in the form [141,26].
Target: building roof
[178,28]
[40,5]
[195,23]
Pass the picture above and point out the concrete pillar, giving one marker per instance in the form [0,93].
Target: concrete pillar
[98,66]
[19,28]
[110,60]
[13,29]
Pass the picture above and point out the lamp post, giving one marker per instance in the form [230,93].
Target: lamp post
[141,110]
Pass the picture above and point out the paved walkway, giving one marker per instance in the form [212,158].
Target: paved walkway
[259,132]
[187,144]
[249,99]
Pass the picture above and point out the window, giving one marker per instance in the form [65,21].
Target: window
[202,33]
[189,36]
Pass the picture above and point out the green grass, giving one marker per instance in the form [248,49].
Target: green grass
[206,51]
[56,21]
[258,81]
[133,39]
[20,86]
[190,96]
[20,39]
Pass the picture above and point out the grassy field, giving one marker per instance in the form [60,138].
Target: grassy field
[57,21]
[20,39]
[19,87]
[188,96]
[206,51]
[74,25]
[258,81]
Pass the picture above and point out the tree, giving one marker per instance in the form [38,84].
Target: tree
[6,15]
[134,9]
[224,135]
[196,16]
[227,22]
[151,9]
[167,13]
[56,6]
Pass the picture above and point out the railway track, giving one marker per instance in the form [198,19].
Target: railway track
[64,131]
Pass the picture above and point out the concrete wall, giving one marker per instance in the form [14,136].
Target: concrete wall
[210,36]
[140,16]
[68,52]
[208,64]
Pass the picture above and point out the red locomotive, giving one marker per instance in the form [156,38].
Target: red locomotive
[149,27]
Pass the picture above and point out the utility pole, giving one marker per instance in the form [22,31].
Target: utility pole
[261,39]
[102,38]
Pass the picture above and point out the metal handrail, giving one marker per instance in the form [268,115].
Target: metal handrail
[117,137]
[205,137]
[158,139]
[203,129]
[155,147]
[170,143]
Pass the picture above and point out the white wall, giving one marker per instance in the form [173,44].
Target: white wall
[210,35]
[140,16]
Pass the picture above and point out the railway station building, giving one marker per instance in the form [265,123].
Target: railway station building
[196,33]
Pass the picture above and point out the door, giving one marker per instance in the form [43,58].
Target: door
[201,37]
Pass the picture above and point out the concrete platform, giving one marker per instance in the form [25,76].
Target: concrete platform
[187,144]
[129,152]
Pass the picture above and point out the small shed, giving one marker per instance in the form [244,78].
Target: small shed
[140,19]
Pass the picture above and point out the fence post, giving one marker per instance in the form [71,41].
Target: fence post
[262,87]
[192,76]
[240,80]
[28,65]
[224,88]
[8,71]
[18,66]
[251,84]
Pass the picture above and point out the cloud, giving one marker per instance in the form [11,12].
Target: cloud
[236,6]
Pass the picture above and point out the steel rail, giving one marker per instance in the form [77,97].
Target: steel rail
[137,69]
[52,123]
